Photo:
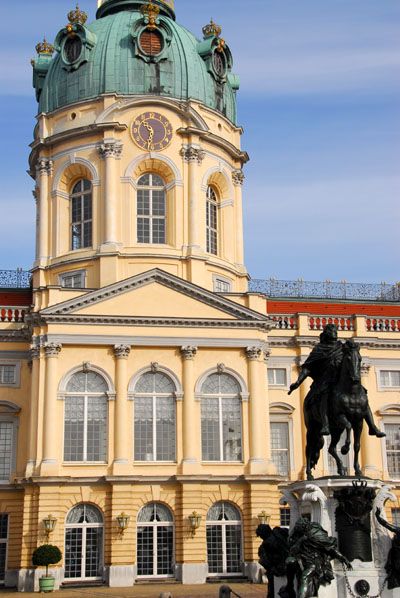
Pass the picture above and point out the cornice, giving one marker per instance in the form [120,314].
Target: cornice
[311,341]
[228,147]
[15,336]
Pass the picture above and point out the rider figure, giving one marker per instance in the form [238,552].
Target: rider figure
[323,366]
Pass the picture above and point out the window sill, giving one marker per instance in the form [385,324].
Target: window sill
[222,463]
[83,463]
[154,463]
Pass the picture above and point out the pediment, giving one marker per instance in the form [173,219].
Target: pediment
[155,294]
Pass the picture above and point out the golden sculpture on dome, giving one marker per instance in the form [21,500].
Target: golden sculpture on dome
[44,47]
[212,29]
[151,12]
[77,16]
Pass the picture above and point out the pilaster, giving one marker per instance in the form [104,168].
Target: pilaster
[123,453]
[191,413]
[33,412]
[110,150]
[44,169]
[193,155]
[51,432]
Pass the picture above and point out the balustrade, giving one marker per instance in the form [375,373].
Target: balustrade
[284,322]
[12,314]
[343,323]
[382,324]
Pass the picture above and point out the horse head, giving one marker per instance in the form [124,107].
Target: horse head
[351,366]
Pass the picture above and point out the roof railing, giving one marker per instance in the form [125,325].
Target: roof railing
[15,279]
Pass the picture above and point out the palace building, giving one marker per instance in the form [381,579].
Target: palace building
[145,426]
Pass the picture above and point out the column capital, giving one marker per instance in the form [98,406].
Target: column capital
[238,177]
[266,354]
[34,352]
[254,353]
[110,148]
[192,153]
[122,351]
[35,193]
[52,349]
[44,166]
[188,352]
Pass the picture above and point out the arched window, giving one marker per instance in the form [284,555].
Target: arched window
[85,419]
[84,543]
[151,209]
[155,541]
[212,221]
[221,419]
[155,418]
[81,215]
[224,539]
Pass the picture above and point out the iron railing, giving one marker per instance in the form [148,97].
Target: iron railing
[15,279]
[327,290]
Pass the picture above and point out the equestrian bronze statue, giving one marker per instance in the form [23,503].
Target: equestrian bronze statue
[336,402]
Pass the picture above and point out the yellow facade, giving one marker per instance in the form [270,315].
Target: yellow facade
[152,308]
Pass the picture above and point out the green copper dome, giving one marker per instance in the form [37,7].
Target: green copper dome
[136,49]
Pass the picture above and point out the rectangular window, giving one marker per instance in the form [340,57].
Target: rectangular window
[389,378]
[222,286]
[221,429]
[85,429]
[6,450]
[393,449]
[8,374]
[73,280]
[396,517]
[277,377]
[280,447]
[155,429]
[3,545]
[151,216]
[81,221]
[284,513]
[212,235]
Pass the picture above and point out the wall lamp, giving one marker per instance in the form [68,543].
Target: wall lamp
[49,524]
[263,518]
[194,520]
[123,522]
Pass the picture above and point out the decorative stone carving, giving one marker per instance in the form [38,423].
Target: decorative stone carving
[154,366]
[238,177]
[110,149]
[34,352]
[44,166]
[266,354]
[314,494]
[365,367]
[122,351]
[188,352]
[191,153]
[86,366]
[254,353]
[221,368]
[52,349]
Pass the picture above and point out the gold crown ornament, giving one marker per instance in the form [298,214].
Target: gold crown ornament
[212,30]
[77,16]
[151,12]
[44,47]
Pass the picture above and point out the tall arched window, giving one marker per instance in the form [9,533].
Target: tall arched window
[84,543]
[151,209]
[81,215]
[155,418]
[155,541]
[85,419]
[224,539]
[221,419]
[212,221]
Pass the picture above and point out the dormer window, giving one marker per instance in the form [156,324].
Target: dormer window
[151,42]
[72,49]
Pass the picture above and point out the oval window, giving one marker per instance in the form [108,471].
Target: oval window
[72,48]
[151,42]
[219,63]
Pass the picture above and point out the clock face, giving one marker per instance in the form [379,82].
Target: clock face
[151,131]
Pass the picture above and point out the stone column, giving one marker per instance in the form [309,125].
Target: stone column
[51,432]
[122,436]
[303,391]
[193,155]
[238,180]
[33,411]
[110,150]
[190,437]
[44,169]
[260,451]
[370,445]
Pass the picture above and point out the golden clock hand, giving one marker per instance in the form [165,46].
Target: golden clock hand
[151,133]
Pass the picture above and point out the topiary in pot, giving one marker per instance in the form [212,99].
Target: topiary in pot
[43,556]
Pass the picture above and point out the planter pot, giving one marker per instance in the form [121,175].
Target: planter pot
[46,584]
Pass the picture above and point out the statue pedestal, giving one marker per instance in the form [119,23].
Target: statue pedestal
[318,500]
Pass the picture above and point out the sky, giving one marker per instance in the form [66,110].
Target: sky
[320,106]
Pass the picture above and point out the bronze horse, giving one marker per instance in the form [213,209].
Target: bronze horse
[348,407]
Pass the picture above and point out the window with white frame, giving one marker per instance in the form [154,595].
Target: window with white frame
[222,285]
[9,374]
[84,534]
[81,215]
[277,376]
[392,442]
[389,378]
[7,449]
[284,516]
[224,539]
[86,418]
[3,545]
[151,209]
[280,454]
[155,418]
[155,541]
[211,221]
[221,419]
[396,516]
[73,280]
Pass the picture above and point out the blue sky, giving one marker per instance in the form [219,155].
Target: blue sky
[320,104]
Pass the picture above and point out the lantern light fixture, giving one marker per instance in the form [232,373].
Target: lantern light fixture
[263,517]
[49,524]
[123,522]
[194,520]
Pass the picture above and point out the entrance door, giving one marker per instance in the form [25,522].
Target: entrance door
[155,541]
[3,545]
[84,543]
[224,540]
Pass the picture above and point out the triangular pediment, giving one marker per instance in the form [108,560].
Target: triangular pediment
[154,294]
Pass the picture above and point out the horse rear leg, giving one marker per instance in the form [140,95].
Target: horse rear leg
[357,430]
[344,423]
[335,437]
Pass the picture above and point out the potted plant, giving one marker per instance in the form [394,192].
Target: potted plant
[43,556]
